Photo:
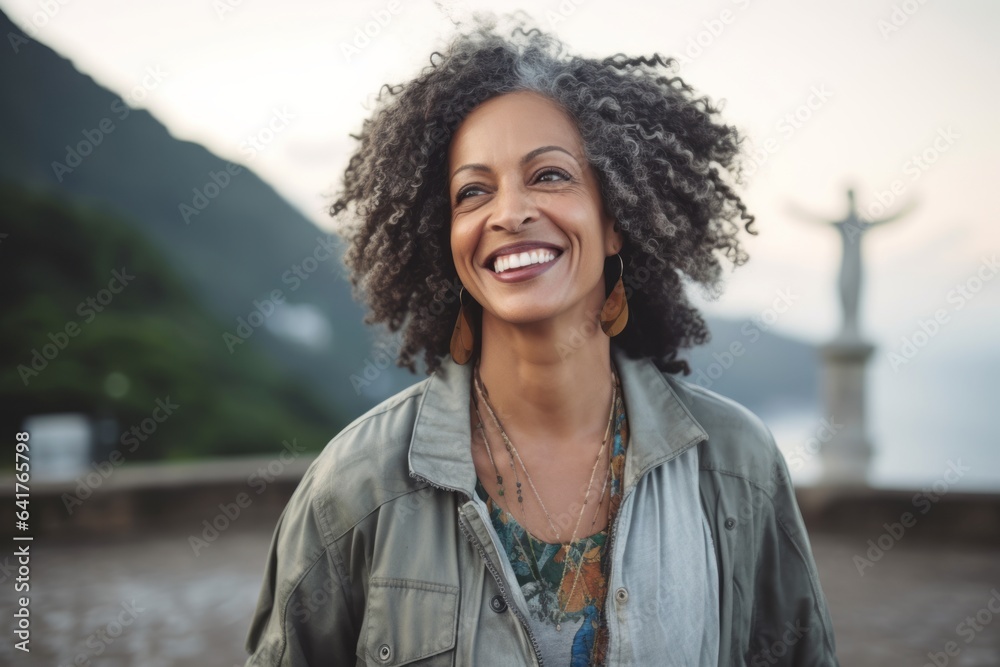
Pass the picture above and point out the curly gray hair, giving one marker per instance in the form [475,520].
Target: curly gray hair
[661,159]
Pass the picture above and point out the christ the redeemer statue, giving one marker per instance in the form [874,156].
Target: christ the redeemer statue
[846,457]
[851,229]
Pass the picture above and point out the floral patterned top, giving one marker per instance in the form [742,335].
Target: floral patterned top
[581,637]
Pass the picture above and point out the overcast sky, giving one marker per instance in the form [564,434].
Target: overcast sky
[861,92]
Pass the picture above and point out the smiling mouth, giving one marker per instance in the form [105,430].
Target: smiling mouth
[521,259]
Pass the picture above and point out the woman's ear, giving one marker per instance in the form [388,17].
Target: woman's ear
[614,237]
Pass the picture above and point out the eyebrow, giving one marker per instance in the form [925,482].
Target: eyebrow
[531,155]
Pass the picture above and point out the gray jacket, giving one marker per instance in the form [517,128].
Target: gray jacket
[385,555]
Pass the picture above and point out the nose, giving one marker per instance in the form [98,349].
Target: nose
[513,205]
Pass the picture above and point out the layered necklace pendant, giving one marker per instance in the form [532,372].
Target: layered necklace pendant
[513,454]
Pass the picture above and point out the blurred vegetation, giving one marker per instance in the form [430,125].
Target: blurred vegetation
[152,341]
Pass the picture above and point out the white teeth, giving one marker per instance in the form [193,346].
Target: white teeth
[517,260]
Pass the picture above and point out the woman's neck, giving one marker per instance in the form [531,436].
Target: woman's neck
[547,389]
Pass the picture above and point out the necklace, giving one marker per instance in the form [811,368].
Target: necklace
[512,451]
[489,452]
[531,546]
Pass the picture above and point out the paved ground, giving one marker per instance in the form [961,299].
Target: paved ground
[195,610]
[911,602]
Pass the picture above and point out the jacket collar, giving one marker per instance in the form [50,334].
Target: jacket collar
[660,426]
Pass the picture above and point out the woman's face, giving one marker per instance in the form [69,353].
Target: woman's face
[520,184]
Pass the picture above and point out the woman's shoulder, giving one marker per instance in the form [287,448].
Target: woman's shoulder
[392,416]
[739,441]
[365,465]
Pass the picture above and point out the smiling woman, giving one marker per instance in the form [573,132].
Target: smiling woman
[552,493]
[523,186]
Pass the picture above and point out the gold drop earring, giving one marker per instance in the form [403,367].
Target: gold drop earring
[464,336]
[614,314]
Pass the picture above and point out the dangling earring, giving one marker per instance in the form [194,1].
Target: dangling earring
[463,337]
[614,314]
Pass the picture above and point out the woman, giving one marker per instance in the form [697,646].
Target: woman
[551,494]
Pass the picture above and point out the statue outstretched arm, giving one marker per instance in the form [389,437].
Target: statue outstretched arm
[794,211]
[910,205]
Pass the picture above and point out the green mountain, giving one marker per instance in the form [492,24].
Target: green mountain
[131,343]
[233,248]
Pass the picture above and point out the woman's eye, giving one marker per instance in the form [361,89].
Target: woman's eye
[546,175]
[558,173]
[467,190]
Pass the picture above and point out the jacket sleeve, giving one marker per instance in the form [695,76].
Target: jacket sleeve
[791,622]
[303,616]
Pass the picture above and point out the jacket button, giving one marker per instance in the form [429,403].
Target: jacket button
[497,604]
[730,523]
[621,595]
[384,652]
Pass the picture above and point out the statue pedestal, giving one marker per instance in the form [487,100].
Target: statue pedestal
[846,456]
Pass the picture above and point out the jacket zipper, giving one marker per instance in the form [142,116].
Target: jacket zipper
[503,589]
[489,565]
[611,566]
